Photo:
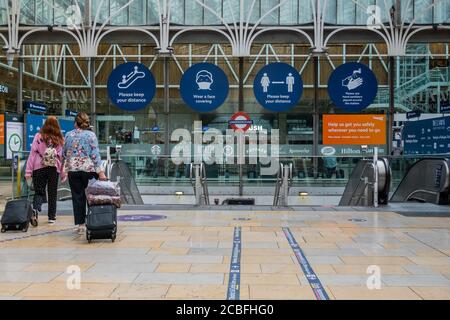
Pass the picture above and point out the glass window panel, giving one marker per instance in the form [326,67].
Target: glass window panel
[118,16]
[44,13]
[137,12]
[194,13]
[255,10]
[177,11]
[330,14]
[423,12]
[231,11]
[364,10]
[385,7]
[305,12]
[102,8]
[346,12]
[27,11]
[289,12]
[442,12]
[211,18]
[152,12]
[266,6]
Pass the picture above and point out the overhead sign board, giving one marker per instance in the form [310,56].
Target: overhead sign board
[278,87]
[413,114]
[35,106]
[431,136]
[361,129]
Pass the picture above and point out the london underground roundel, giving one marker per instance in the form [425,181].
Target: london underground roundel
[278,87]
[204,87]
[352,87]
[131,86]
[240,121]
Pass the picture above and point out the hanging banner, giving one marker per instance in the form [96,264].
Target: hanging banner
[13,134]
[349,129]
[204,87]
[131,86]
[431,136]
[278,87]
[352,87]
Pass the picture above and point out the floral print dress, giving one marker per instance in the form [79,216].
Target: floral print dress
[81,152]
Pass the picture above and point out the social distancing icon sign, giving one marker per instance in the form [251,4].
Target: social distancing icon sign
[278,87]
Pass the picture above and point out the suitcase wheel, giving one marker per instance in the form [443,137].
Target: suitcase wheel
[3,230]
[113,238]
[88,236]
[25,229]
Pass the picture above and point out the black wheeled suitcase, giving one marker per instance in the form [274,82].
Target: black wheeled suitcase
[101,222]
[17,215]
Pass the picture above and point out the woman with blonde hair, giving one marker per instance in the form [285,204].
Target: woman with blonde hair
[44,167]
[82,162]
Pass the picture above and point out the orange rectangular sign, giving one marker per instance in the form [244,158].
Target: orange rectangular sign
[361,129]
[2,129]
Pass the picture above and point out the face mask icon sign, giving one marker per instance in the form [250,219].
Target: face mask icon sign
[204,80]
[354,81]
[128,80]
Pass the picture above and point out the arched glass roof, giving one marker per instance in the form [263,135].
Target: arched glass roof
[191,13]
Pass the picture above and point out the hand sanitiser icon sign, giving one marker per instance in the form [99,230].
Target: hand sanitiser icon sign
[131,86]
[352,87]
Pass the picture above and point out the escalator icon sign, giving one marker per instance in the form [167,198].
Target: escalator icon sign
[128,80]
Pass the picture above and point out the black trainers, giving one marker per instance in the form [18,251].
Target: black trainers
[34,218]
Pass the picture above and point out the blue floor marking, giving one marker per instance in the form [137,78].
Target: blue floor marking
[313,279]
[234,282]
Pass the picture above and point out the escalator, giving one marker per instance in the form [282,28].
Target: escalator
[427,181]
[359,190]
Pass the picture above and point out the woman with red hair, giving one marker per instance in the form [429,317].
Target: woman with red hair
[44,167]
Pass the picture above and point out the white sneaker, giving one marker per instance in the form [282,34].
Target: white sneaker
[51,221]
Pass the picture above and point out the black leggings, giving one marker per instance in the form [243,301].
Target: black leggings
[45,178]
[78,181]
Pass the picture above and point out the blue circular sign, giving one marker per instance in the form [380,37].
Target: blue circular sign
[278,86]
[352,87]
[204,87]
[131,86]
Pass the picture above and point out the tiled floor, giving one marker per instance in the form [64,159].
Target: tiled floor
[188,256]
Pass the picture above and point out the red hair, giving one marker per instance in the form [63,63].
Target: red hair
[51,132]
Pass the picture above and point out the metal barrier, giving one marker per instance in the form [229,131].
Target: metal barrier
[283,184]
[197,177]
